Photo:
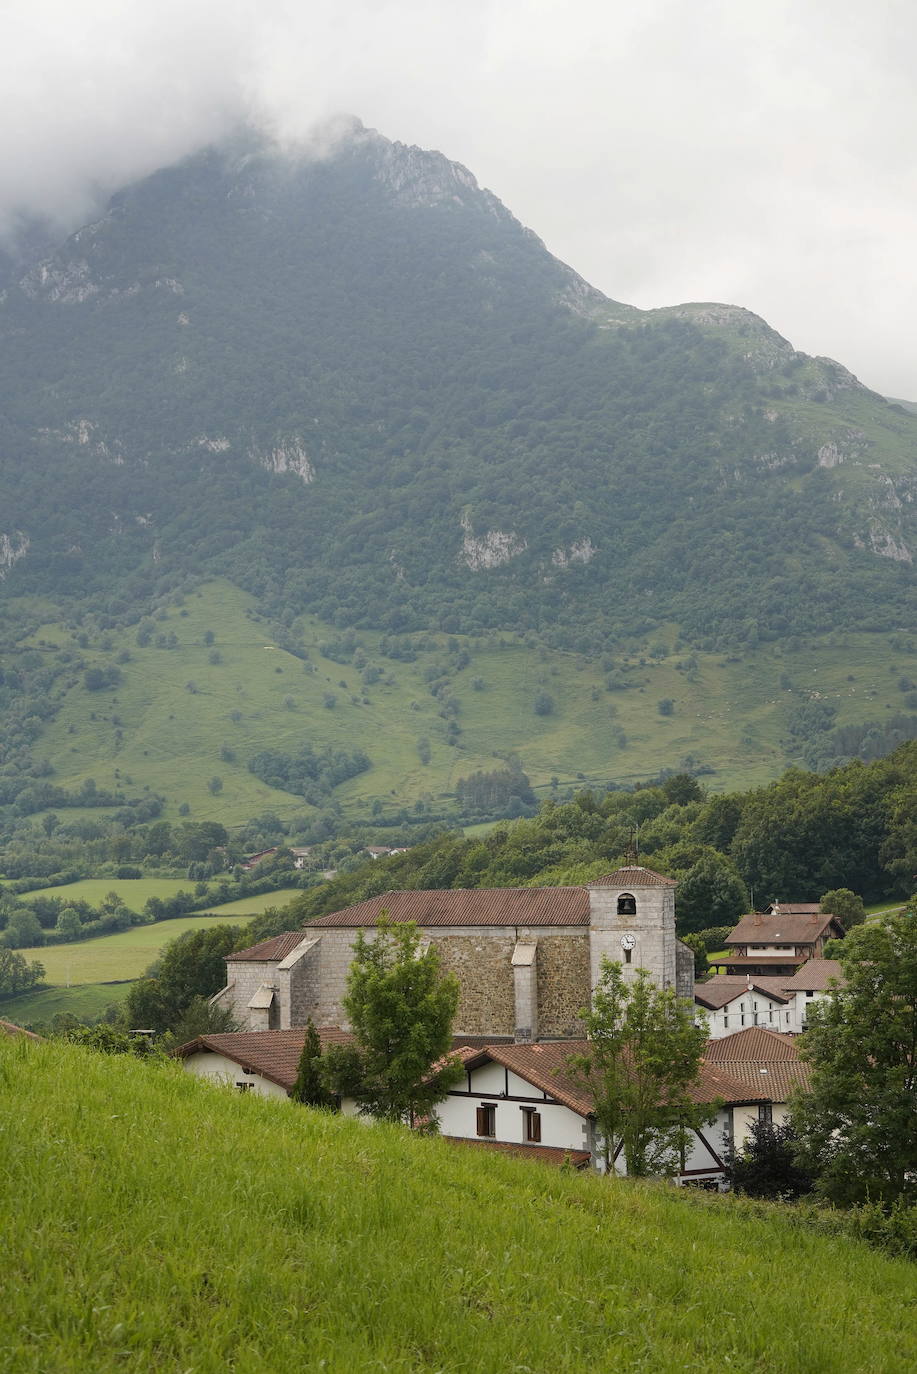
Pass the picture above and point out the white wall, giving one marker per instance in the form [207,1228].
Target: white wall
[560,1128]
[751,1009]
[218,1069]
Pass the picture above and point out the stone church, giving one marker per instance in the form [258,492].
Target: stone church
[526,958]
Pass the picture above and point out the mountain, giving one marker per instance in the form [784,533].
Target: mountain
[352,386]
[355,384]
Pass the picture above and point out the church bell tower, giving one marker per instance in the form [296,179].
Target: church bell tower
[632,923]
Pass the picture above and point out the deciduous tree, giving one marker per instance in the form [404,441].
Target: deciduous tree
[857,1124]
[16,974]
[845,905]
[641,1066]
[401,1006]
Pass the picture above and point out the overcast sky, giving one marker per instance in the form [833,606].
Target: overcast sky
[669,150]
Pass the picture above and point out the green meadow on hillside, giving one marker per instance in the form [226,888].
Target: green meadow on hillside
[134,892]
[253,906]
[185,721]
[114,958]
[161,1223]
[87,1001]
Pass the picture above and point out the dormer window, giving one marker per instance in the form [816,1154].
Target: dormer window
[627,905]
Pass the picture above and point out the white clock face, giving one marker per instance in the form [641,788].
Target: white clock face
[628,941]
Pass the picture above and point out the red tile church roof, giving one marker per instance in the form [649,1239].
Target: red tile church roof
[483,906]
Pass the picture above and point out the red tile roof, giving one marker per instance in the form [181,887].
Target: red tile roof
[787,927]
[764,1062]
[795,908]
[815,976]
[484,906]
[723,988]
[274,1055]
[277,948]
[544,1064]
[633,877]
[547,1154]
[718,1080]
[755,1042]
[773,1081]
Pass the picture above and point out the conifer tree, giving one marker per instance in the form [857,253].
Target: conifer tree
[310,1088]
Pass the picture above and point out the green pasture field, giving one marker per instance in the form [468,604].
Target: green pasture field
[113,958]
[160,1223]
[87,1001]
[252,906]
[134,892]
[178,721]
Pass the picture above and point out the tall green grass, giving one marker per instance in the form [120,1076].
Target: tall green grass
[155,1223]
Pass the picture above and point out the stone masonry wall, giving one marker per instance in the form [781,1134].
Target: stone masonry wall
[481,962]
[562,963]
[305,986]
[247,977]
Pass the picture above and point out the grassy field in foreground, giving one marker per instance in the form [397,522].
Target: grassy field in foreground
[114,957]
[284,1239]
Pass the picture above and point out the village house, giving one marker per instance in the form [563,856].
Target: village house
[526,959]
[253,860]
[779,941]
[731,1002]
[263,1062]
[522,1098]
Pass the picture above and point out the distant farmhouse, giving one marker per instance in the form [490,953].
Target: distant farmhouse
[779,941]
[527,959]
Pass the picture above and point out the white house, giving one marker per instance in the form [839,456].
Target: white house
[263,1062]
[521,1098]
[732,1002]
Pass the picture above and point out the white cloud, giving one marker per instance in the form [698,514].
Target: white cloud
[677,149]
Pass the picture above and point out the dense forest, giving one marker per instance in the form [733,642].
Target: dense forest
[793,840]
[360,387]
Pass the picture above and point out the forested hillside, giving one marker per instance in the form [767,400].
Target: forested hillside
[793,840]
[358,386]
[357,392]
